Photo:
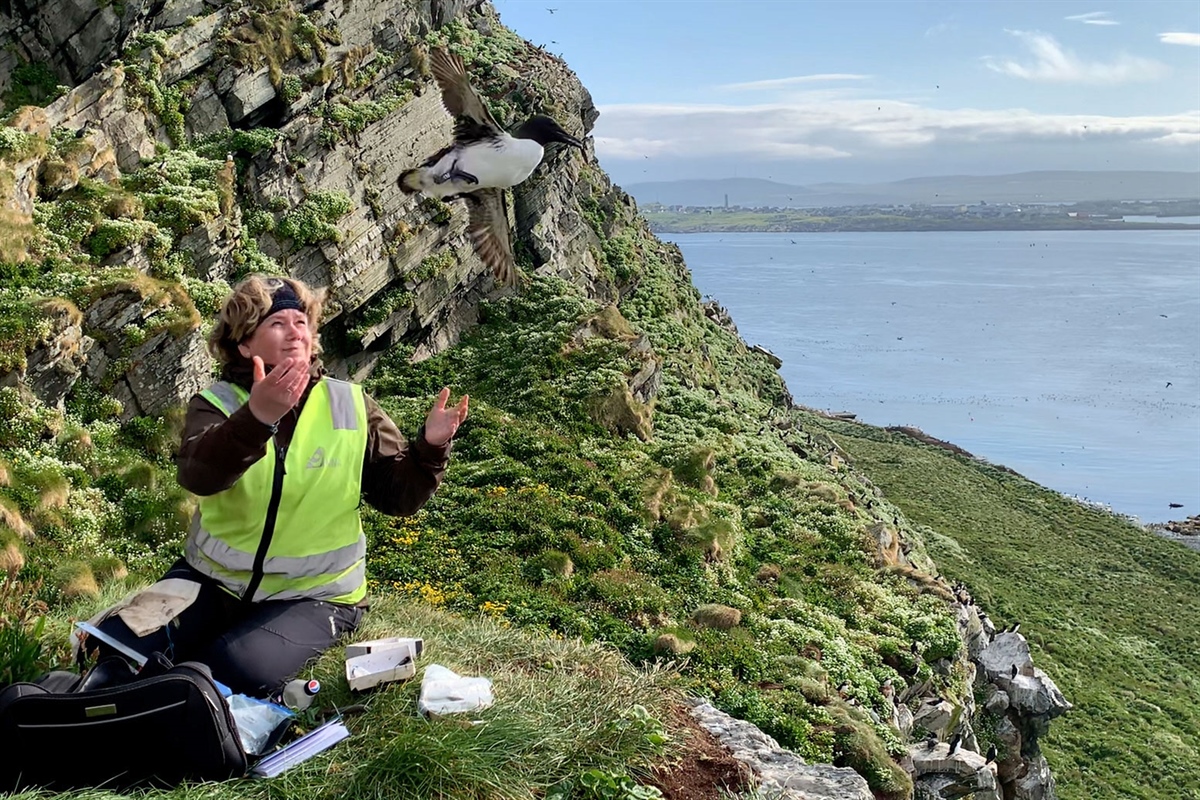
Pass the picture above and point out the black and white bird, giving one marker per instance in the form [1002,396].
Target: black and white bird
[481,163]
[991,754]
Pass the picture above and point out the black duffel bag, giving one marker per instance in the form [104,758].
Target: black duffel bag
[160,729]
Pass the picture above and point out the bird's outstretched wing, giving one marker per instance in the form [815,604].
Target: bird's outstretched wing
[460,98]
[488,228]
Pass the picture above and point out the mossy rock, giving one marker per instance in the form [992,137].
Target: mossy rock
[658,493]
[12,552]
[57,176]
[554,563]
[821,491]
[76,580]
[628,592]
[717,616]
[673,644]
[618,411]
[12,518]
[783,481]
[124,206]
[768,573]
[863,751]
[109,568]
[313,220]
[713,539]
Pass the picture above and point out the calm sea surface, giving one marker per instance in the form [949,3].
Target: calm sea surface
[1072,357]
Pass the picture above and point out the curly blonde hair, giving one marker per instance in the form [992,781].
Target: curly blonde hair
[248,305]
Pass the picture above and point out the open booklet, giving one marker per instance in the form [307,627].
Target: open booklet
[318,739]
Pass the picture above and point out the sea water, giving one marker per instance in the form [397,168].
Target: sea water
[1072,357]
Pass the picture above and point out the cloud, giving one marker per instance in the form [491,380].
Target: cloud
[799,80]
[1182,138]
[1093,18]
[1053,64]
[1179,37]
[808,130]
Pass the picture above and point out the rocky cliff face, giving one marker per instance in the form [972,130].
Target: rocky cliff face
[1019,701]
[339,100]
[204,140]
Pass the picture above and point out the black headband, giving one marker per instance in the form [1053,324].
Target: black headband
[285,298]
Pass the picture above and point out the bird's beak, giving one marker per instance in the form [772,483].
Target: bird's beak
[567,138]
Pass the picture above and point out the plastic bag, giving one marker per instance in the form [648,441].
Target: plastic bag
[256,721]
[446,692]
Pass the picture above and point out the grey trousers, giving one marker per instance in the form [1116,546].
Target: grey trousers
[253,648]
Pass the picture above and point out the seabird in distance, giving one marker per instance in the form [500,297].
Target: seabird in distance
[991,754]
[954,740]
[481,163]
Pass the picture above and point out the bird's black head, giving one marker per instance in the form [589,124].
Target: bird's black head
[544,130]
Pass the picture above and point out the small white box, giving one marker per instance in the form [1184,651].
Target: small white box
[394,663]
[375,645]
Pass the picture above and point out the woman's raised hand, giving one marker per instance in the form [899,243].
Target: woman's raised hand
[274,395]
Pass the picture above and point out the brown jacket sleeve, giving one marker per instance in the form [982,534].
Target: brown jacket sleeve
[215,450]
[398,476]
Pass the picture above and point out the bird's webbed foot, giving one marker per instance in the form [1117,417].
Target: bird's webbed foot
[456,174]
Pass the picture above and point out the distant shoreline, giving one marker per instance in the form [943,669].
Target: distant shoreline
[906,226]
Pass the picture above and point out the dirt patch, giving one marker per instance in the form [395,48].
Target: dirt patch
[705,771]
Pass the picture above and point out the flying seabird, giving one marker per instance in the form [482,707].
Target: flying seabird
[481,163]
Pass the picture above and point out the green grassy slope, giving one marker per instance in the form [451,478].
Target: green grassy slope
[1108,608]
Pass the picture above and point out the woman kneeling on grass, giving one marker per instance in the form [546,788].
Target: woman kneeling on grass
[281,457]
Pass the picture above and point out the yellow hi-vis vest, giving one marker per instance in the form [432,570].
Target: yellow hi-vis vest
[289,527]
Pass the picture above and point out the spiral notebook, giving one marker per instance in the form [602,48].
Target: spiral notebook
[315,741]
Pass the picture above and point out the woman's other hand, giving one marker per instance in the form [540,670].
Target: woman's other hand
[442,423]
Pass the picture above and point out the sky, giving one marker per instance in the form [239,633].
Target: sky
[804,91]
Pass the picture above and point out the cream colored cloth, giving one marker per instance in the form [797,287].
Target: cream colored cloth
[147,610]
[155,606]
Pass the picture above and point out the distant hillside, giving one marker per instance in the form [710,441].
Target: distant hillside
[1023,187]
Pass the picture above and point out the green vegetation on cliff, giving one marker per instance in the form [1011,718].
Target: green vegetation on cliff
[1108,609]
[633,510]
[630,480]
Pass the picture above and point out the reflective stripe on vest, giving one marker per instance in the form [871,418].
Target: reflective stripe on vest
[317,549]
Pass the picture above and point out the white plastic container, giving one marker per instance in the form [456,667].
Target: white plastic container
[375,645]
[381,665]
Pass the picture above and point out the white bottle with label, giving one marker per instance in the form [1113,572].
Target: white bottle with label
[299,693]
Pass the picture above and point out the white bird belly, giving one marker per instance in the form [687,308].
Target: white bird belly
[498,165]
